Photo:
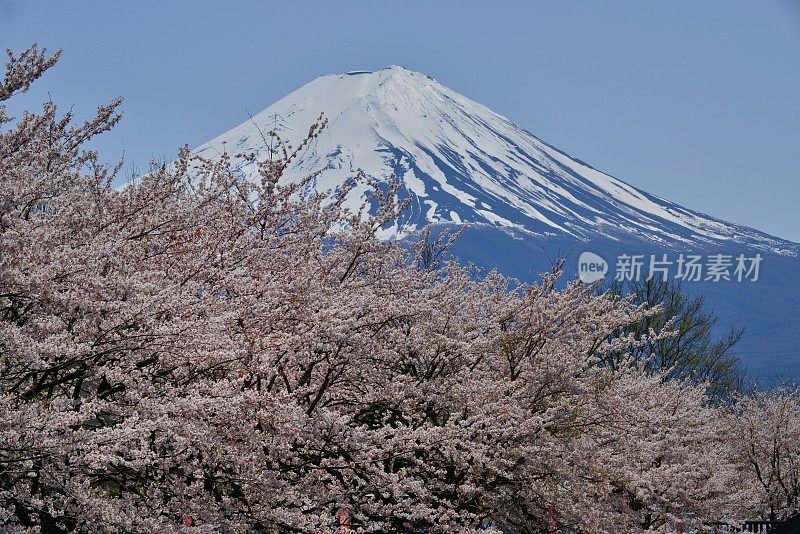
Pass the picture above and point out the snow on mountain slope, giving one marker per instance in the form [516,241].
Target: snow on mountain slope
[461,162]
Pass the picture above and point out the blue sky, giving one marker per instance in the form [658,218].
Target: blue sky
[697,102]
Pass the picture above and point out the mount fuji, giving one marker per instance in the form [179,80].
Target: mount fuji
[523,201]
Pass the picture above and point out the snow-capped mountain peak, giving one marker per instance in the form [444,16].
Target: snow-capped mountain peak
[460,162]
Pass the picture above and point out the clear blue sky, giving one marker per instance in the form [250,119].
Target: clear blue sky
[695,101]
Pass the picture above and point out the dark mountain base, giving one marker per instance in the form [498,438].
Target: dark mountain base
[768,309]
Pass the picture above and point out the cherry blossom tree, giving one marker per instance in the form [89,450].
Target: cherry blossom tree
[196,351]
[765,434]
[691,351]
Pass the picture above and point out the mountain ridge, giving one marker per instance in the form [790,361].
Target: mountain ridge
[461,162]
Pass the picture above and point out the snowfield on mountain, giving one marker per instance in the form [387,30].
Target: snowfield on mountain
[460,162]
